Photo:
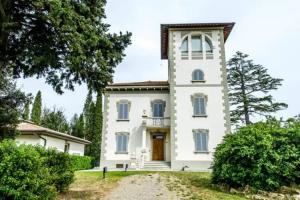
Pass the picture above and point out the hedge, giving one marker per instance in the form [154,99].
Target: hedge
[263,156]
[33,172]
[81,162]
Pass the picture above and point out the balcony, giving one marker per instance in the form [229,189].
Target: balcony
[156,122]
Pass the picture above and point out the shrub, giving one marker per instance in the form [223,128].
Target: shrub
[264,156]
[22,173]
[60,168]
[81,162]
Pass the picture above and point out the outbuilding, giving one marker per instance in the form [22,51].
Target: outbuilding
[33,134]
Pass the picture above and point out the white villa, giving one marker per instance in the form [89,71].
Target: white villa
[174,124]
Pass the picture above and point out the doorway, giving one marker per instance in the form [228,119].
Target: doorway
[158,145]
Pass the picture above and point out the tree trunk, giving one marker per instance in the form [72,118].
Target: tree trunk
[245,99]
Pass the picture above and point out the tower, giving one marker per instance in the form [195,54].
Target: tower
[198,90]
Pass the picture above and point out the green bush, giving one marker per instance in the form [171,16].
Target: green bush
[23,174]
[60,168]
[81,162]
[264,156]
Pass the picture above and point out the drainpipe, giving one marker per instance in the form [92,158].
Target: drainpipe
[44,139]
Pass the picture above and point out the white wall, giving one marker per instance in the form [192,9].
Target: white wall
[182,89]
[139,102]
[29,139]
[76,148]
[59,144]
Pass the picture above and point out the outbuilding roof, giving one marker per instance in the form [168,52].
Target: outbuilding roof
[29,127]
[164,31]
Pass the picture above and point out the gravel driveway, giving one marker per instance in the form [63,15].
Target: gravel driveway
[142,187]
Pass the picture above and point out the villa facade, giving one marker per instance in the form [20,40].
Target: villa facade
[174,124]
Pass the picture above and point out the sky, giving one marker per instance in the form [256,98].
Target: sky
[267,30]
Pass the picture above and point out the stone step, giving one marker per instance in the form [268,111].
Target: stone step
[157,165]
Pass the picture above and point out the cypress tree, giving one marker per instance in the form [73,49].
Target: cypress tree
[77,126]
[26,112]
[89,129]
[97,132]
[36,112]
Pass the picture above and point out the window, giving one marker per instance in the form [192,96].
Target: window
[198,75]
[208,45]
[201,140]
[122,142]
[199,103]
[184,45]
[123,107]
[196,44]
[158,108]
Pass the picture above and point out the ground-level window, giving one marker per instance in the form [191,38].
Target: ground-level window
[201,140]
[122,142]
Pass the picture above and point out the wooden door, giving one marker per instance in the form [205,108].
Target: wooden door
[158,147]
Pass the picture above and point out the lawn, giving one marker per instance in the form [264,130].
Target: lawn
[191,185]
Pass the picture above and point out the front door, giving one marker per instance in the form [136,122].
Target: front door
[158,147]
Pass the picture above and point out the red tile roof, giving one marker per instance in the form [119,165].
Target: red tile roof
[164,31]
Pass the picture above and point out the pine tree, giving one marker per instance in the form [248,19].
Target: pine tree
[249,86]
[26,112]
[36,112]
[55,119]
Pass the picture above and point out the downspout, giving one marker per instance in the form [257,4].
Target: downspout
[44,139]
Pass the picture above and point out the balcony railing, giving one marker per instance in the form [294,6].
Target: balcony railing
[156,121]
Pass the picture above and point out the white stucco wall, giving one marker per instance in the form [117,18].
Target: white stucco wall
[29,139]
[76,148]
[52,142]
[139,102]
[182,90]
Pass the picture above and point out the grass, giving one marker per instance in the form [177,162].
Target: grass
[190,185]
[196,185]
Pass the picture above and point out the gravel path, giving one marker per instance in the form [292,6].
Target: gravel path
[142,187]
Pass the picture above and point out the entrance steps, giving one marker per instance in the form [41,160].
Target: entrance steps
[157,165]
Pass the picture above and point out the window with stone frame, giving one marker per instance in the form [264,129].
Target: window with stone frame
[123,107]
[199,102]
[201,140]
[122,142]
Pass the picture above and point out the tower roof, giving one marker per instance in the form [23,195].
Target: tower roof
[164,30]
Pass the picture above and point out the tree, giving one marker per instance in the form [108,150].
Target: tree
[249,87]
[12,101]
[26,112]
[97,131]
[36,112]
[67,42]
[87,104]
[89,128]
[55,119]
[77,126]
[93,126]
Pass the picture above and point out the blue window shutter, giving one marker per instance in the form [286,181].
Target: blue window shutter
[202,106]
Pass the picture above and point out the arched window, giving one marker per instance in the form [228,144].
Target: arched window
[185,46]
[198,75]
[208,45]
[196,44]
